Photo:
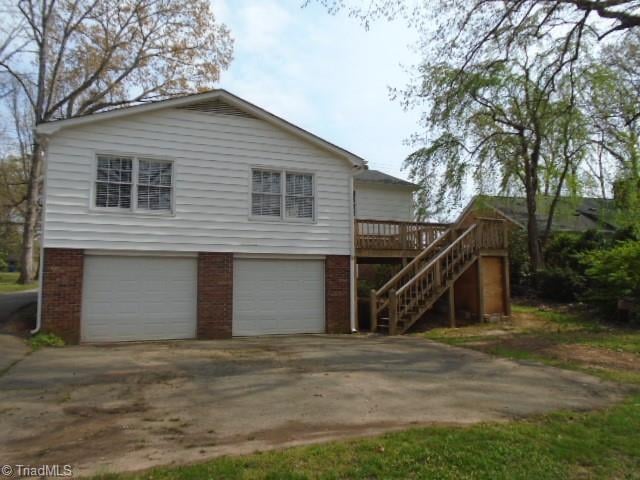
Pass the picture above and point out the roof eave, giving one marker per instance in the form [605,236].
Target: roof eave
[50,128]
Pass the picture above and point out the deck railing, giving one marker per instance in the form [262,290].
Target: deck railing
[392,235]
[426,277]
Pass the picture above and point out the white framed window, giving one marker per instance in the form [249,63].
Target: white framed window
[282,195]
[155,185]
[266,193]
[299,196]
[130,183]
[113,182]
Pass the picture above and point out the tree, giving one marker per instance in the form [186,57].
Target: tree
[77,57]
[13,181]
[512,67]
[475,27]
[611,96]
[504,125]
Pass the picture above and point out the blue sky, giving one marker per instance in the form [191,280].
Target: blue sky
[324,73]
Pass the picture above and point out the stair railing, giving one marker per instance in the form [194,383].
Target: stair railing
[428,273]
[434,277]
[380,298]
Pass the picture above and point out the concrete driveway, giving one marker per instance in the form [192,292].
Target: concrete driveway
[129,407]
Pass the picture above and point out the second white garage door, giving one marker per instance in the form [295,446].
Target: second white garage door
[138,298]
[278,297]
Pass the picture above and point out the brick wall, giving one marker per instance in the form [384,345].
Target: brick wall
[338,293]
[62,292]
[215,295]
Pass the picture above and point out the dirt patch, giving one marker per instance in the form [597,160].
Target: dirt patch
[528,332]
[595,356]
[92,411]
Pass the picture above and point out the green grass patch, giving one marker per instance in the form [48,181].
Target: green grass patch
[8,283]
[45,340]
[601,444]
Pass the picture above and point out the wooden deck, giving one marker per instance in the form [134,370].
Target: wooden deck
[391,239]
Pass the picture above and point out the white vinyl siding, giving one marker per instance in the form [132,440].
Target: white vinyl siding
[383,202]
[276,296]
[212,157]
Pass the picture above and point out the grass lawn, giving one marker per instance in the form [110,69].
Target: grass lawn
[556,336]
[8,283]
[599,444]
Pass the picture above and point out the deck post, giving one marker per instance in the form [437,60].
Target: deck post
[393,311]
[480,290]
[373,307]
[452,307]
[403,236]
[506,286]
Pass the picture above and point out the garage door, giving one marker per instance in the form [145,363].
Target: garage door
[278,296]
[138,298]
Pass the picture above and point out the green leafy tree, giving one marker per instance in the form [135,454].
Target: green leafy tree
[611,96]
[613,274]
[511,126]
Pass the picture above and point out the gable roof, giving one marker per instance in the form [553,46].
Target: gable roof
[221,95]
[577,214]
[376,176]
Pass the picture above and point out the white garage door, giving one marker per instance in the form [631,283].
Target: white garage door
[278,296]
[138,298]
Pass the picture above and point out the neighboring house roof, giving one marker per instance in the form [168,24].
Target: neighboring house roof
[572,214]
[376,176]
[50,128]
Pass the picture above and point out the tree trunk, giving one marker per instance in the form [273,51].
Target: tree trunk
[533,234]
[31,217]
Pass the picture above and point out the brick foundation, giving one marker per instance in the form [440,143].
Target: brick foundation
[338,293]
[215,295]
[62,292]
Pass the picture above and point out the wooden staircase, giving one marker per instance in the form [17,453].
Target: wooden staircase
[405,298]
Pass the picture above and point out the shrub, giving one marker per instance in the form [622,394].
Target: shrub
[42,339]
[613,274]
[564,276]
[561,284]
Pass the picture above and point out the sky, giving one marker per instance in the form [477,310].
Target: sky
[324,73]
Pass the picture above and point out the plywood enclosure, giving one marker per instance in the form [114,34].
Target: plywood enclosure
[493,285]
[493,297]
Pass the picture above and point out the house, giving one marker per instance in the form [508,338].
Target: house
[206,216]
[379,196]
[572,214]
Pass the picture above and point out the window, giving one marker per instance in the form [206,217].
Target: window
[113,182]
[134,184]
[270,198]
[299,199]
[266,196]
[154,185]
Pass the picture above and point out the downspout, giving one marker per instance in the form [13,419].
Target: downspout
[44,142]
[353,285]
